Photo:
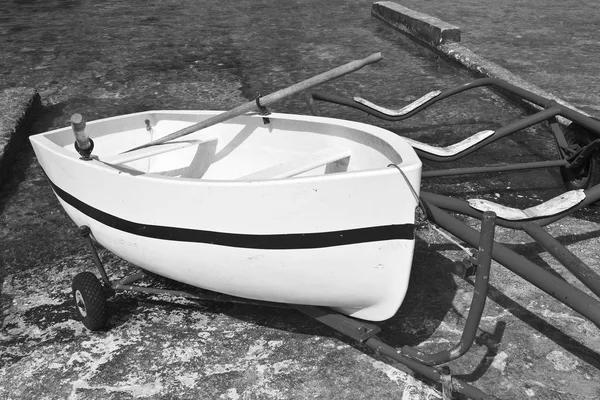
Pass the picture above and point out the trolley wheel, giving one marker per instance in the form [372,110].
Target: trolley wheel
[90,303]
[589,174]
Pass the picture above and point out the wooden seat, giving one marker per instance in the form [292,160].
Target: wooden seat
[153,150]
[336,157]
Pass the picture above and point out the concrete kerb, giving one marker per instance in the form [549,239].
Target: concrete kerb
[426,28]
[19,108]
[444,38]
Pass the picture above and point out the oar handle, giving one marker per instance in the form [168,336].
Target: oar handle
[268,99]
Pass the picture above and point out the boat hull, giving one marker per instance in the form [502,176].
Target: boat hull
[340,240]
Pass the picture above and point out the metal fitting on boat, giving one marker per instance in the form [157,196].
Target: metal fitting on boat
[263,110]
[83,143]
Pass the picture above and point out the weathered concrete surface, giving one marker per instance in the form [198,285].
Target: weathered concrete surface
[552,44]
[118,57]
[528,346]
[18,106]
[444,39]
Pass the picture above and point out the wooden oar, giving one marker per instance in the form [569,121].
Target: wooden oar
[268,99]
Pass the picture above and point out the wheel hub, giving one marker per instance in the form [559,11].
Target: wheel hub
[80,303]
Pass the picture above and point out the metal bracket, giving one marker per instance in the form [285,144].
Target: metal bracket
[263,110]
[583,154]
[447,386]
[85,154]
[357,330]
[559,136]
[86,232]
[467,267]
[149,126]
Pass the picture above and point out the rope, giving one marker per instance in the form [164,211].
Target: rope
[412,189]
[451,239]
[426,220]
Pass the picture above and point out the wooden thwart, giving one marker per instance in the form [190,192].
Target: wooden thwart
[152,151]
[300,164]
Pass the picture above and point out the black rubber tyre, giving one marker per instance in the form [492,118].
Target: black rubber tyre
[90,302]
[589,174]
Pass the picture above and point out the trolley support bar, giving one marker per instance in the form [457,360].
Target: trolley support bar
[427,371]
[357,330]
[493,168]
[546,281]
[365,333]
[577,267]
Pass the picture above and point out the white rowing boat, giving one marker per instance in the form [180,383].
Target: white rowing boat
[300,210]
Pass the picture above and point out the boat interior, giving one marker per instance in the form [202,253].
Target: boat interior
[248,147]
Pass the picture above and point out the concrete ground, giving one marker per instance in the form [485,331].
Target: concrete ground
[553,44]
[528,346]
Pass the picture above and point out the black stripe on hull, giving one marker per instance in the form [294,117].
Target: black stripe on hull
[249,241]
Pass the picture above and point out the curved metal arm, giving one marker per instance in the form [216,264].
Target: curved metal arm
[484,259]
[583,120]
[497,135]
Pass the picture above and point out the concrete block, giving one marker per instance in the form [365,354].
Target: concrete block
[424,27]
[18,106]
